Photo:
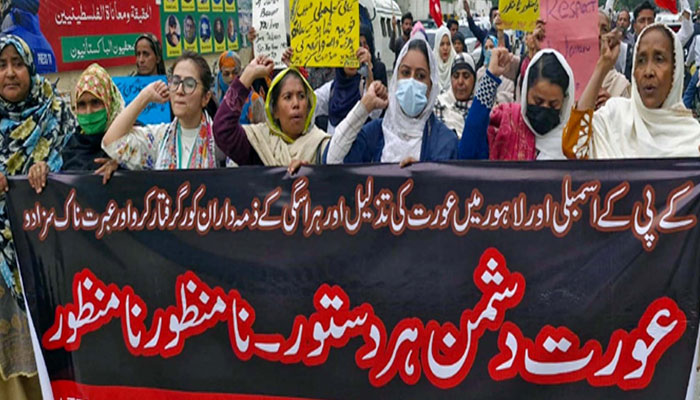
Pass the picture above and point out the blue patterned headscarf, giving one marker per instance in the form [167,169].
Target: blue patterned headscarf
[36,128]
[33,130]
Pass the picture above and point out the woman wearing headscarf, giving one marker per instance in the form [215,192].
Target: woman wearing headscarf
[533,44]
[458,43]
[149,56]
[654,123]
[36,126]
[529,130]
[336,98]
[506,90]
[96,103]
[185,143]
[409,130]
[288,134]
[253,111]
[227,68]
[444,57]
[377,66]
[453,105]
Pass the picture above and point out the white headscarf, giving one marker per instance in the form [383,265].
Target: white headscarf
[452,116]
[444,68]
[403,135]
[625,128]
[549,145]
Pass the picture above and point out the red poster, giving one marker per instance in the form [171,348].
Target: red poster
[81,32]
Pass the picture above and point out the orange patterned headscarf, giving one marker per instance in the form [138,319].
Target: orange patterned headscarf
[229,59]
[96,81]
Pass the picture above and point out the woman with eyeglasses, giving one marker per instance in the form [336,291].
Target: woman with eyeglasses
[187,142]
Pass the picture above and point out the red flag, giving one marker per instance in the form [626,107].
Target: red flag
[670,5]
[436,12]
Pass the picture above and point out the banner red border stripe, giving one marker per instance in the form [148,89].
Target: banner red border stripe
[64,390]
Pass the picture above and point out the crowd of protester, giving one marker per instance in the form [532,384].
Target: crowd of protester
[515,102]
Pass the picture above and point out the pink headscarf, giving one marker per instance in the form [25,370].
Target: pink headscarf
[418,27]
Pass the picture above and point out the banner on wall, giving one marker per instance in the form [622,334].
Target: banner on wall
[76,33]
[245,20]
[200,26]
[441,281]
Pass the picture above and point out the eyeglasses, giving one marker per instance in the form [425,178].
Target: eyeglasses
[189,84]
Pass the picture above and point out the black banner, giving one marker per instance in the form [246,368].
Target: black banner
[442,281]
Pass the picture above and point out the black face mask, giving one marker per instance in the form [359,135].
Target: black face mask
[542,119]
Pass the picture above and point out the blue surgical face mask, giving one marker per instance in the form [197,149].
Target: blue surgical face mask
[411,95]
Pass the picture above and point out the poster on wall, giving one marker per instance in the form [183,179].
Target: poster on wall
[71,34]
[21,18]
[245,20]
[200,26]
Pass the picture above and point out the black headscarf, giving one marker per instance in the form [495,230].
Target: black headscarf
[345,93]
[378,67]
[459,38]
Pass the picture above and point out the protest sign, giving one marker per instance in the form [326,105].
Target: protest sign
[212,28]
[325,33]
[72,34]
[559,280]
[271,27]
[245,20]
[519,14]
[131,86]
[572,30]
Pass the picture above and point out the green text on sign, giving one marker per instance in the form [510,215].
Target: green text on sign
[88,48]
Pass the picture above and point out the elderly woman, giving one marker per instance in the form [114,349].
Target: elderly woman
[654,123]
[185,143]
[409,131]
[453,105]
[36,125]
[288,133]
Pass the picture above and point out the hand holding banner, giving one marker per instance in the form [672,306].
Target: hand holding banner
[383,286]
[268,20]
[325,33]
[572,30]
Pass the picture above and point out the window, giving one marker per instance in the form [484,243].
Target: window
[383,23]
